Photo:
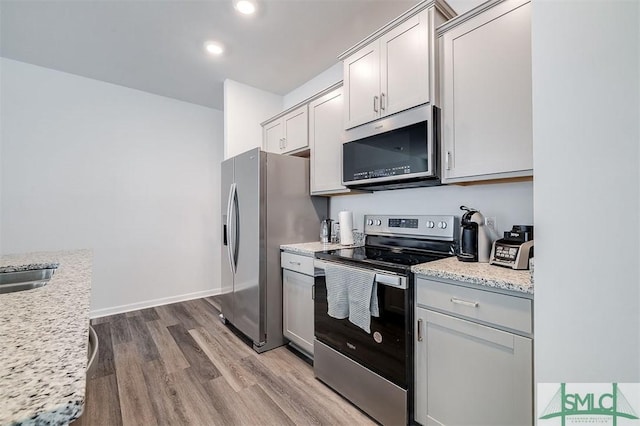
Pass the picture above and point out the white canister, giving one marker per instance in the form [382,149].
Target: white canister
[346,227]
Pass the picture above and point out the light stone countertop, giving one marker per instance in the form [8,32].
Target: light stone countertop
[308,249]
[44,340]
[482,274]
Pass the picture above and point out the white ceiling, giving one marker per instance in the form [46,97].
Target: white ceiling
[157,45]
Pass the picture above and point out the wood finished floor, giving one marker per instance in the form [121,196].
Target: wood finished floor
[179,365]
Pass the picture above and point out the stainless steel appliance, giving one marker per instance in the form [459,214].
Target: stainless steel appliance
[375,370]
[267,203]
[400,151]
[475,243]
[515,249]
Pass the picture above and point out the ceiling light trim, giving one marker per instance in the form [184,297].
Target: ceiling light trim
[245,7]
[214,47]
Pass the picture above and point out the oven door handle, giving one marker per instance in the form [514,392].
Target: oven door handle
[391,280]
[387,279]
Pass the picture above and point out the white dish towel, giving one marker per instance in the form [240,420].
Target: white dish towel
[352,293]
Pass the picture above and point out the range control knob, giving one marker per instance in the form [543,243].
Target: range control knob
[442,225]
[370,222]
[430,224]
[378,222]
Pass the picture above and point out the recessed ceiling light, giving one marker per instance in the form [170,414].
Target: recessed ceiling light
[246,7]
[214,47]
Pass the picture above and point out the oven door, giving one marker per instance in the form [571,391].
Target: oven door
[385,350]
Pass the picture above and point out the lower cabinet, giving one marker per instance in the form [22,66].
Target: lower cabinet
[468,373]
[297,309]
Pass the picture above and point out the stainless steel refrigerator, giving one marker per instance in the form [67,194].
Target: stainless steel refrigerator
[266,203]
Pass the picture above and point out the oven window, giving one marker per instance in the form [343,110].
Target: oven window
[386,356]
[393,153]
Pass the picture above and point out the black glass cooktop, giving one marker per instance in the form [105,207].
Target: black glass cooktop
[392,252]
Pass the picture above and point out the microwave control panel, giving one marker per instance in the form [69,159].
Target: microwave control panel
[378,173]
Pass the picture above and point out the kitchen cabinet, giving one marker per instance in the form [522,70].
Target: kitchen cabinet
[325,142]
[388,75]
[474,355]
[297,300]
[287,132]
[486,93]
[393,69]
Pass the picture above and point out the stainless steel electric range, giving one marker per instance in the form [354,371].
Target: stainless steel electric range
[374,370]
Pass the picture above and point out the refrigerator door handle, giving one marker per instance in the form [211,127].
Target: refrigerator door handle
[232,191]
[236,241]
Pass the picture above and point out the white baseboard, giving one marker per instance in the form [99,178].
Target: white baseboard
[151,303]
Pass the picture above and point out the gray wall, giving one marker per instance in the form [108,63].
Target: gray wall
[131,175]
[509,203]
[586,197]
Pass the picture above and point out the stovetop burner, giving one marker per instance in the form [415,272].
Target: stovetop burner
[393,257]
[399,242]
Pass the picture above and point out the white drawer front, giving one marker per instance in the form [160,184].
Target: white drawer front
[296,262]
[494,308]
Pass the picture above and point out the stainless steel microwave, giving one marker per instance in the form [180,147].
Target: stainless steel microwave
[399,151]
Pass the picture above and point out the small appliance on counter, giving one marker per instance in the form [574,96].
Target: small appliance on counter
[475,241]
[515,249]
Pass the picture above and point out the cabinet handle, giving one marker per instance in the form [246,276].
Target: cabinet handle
[420,330]
[375,103]
[284,143]
[382,96]
[464,302]
[313,292]
[294,263]
[448,160]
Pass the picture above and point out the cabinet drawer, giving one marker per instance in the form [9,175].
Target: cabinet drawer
[296,262]
[493,308]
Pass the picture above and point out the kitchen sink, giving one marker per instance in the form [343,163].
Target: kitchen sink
[24,280]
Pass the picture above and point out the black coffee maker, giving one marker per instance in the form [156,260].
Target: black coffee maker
[475,242]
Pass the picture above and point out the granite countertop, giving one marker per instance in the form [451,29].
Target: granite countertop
[308,249]
[44,340]
[478,273]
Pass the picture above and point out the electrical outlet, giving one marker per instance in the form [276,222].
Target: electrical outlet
[490,222]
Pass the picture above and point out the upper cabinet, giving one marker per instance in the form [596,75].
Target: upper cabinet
[486,93]
[314,128]
[325,141]
[393,69]
[287,132]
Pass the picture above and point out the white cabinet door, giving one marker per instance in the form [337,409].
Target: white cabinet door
[486,98]
[362,86]
[296,134]
[404,65]
[325,140]
[287,133]
[470,374]
[390,74]
[272,136]
[297,290]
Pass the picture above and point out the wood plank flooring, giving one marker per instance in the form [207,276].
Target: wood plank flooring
[179,365]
